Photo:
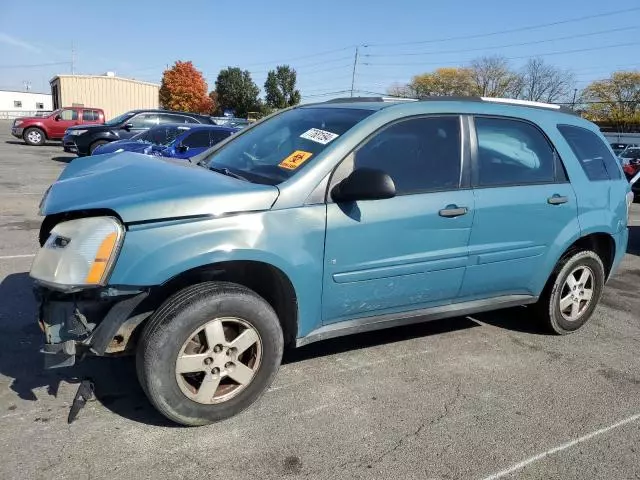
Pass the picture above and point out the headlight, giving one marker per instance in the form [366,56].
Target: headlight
[17,123]
[75,133]
[79,253]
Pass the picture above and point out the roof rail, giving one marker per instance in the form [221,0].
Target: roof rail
[370,99]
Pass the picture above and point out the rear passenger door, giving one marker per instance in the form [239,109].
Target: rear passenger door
[524,206]
[90,117]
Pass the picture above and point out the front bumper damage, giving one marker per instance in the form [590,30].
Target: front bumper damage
[91,322]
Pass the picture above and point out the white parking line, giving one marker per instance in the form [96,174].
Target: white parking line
[559,448]
[10,257]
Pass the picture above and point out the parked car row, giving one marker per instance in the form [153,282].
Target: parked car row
[83,131]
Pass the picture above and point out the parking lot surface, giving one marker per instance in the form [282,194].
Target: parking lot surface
[486,397]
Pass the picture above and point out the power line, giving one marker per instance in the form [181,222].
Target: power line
[301,57]
[303,66]
[35,65]
[508,45]
[548,54]
[512,30]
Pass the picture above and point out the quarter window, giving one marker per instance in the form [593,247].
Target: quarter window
[169,118]
[39,106]
[420,155]
[592,153]
[89,115]
[69,115]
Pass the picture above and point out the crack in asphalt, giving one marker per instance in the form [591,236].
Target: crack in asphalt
[446,410]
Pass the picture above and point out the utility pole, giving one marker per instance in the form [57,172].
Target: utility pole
[353,75]
[573,102]
[73,60]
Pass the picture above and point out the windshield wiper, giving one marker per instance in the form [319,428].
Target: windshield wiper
[227,172]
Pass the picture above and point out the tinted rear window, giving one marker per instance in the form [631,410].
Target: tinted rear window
[594,156]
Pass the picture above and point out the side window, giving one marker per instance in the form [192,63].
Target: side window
[592,153]
[89,115]
[144,120]
[217,137]
[420,155]
[512,152]
[69,115]
[197,139]
[168,118]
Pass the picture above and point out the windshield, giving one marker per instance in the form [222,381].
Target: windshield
[631,153]
[162,135]
[119,119]
[275,150]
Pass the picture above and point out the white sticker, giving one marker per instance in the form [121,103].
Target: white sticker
[319,136]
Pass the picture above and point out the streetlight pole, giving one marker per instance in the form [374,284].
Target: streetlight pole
[353,75]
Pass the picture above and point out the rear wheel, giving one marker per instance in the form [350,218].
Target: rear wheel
[95,145]
[34,136]
[571,297]
[209,352]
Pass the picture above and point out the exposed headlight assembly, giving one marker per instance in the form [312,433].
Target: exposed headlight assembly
[79,253]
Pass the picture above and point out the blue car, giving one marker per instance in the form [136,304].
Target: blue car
[176,140]
[325,220]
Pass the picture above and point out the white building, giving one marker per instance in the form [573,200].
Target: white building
[23,104]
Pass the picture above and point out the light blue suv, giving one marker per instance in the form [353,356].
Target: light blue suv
[319,221]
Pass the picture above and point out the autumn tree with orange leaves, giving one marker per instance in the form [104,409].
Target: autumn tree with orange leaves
[183,88]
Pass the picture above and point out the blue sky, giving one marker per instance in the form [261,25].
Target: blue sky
[139,38]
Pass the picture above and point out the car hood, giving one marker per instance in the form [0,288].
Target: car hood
[92,127]
[142,188]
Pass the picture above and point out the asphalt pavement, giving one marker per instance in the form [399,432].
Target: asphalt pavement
[485,397]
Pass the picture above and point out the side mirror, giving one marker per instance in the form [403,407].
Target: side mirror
[57,118]
[127,126]
[182,148]
[364,184]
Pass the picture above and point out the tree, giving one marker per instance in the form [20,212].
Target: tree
[183,88]
[214,101]
[493,77]
[541,82]
[237,91]
[280,88]
[400,90]
[444,81]
[615,100]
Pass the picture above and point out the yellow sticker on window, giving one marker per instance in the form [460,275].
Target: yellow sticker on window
[296,159]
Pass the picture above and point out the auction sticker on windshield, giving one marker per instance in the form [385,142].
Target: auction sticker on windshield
[319,136]
[296,159]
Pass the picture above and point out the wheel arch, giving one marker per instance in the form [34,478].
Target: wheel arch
[37,126]
[267,280]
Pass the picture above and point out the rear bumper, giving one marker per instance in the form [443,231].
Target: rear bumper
[89,322]
[621,239]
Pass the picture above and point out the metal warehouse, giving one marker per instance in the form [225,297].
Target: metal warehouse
[115,95]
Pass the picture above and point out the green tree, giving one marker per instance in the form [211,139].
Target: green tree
[236,90]
[444,81]
[615,100]
[280,88]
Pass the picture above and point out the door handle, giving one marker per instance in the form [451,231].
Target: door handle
[451,211]
[557,200]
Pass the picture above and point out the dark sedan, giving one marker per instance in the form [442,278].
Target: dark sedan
[84,139]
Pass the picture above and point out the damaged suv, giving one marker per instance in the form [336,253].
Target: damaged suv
[319,221]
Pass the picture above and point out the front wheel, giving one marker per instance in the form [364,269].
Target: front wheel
[34,136]
[95,145]
[572,295]
[209,352]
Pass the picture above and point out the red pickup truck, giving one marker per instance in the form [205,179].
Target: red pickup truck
[37,130]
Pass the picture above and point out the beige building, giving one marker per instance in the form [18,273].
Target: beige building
[113,94]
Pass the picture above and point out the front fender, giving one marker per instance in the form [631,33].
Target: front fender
[291,240]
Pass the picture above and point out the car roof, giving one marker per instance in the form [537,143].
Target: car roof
[196,126]
[522,109]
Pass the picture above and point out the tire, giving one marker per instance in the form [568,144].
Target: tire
[549,310]
[34,136]
[95,145]
[170,332]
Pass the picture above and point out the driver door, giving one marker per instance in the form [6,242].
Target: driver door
[406,252]
[139,123]
[67,118]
